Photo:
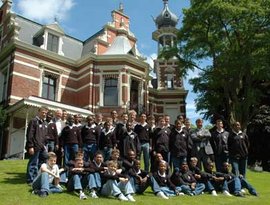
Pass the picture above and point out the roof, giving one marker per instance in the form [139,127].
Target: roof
[34,101]
[72,48]
[166,18]
[120,45]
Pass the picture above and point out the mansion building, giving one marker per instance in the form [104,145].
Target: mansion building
[40,65]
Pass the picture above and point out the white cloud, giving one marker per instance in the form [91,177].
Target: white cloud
[46,10]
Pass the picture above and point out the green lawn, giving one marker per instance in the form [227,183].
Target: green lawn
[13,190]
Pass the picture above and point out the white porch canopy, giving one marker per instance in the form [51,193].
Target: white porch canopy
[26,109]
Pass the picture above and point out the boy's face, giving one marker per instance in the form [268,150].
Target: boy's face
[162,167]
[193,163]
[162,123]
[178,125]
[131,155]
[90,120]
[108,125]
[70,120]
[143,118]
[79,163]
[210,167]
[159,157]
[226,167]
[112,167]
[167,120]
[99,158]
[43,113]
[184,167]
[52,161]
[129,126]
[199,123]
[115,155]
[138,165]
[187,124]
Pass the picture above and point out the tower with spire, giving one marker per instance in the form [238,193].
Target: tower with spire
[168,92]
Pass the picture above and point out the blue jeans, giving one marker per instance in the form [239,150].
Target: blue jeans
[248,186]
[145,149]
[76,182]
[166,190]
[42,183]
[51,146]
[34,164]
[114,188]
[239,166]
[177,161]
[139,188]
[89,150]
[107,153]
[218,186]
[199,188]
[94,181]
[70,151]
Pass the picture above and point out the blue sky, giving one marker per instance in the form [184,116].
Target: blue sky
[83,18]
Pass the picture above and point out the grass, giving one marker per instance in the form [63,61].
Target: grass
[14,191]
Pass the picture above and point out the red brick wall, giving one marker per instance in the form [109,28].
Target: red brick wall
[23,87]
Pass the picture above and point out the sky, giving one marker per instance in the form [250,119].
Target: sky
[83,18]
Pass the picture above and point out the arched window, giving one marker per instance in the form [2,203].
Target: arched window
[111,92]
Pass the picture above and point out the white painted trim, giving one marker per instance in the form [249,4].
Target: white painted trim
[15,97]
[24,76]
[26,64]
[76,90]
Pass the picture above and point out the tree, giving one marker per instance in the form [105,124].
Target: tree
[233,36]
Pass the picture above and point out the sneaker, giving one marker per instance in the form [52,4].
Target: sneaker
[121,197]
[93,195]
[243,191]
[239,194]
[226,193]
[35,192]
[83,196]
[214,193]
[130,197]
[59,187]
[42,194]
[254,193]
[180,194]
[162,195]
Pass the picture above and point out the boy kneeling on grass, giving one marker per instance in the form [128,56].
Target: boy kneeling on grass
[48,178]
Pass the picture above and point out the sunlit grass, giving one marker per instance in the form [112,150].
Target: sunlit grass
[14,190]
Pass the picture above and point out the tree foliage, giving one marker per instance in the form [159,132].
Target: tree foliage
[234,37]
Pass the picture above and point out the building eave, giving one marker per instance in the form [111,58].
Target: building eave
[37,102]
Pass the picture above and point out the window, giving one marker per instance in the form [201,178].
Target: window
[1,35]
[170,83]
[49,87]
[134,95]
[3,86]
[110,92]
[53,43]
[38,40]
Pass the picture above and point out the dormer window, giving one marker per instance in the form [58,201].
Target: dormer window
[50,37]
[53,43]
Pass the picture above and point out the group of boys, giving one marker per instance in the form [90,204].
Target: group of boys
[103,158]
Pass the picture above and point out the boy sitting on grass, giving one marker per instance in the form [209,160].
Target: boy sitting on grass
[48,178]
